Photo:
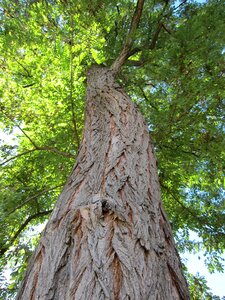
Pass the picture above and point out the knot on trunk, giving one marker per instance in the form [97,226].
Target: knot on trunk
[107,204]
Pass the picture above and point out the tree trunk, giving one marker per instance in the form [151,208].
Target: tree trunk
[108,236]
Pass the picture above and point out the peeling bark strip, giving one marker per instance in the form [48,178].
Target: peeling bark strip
[108,236]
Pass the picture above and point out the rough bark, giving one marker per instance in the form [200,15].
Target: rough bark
[108,236]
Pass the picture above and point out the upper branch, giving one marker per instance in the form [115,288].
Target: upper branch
[126,51]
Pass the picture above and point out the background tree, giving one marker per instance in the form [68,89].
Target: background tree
[176,77]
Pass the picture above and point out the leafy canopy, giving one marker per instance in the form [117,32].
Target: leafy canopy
[175,76]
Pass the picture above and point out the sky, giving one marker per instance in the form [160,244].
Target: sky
[195,264]
[215,281]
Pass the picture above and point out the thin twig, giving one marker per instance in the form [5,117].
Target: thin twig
[180,4]
[29,85]
[146,98]
[181,150]
[180,203]
[25,69]
[18,126]
[22,227]
[16,156]
[34,197]
[54,150]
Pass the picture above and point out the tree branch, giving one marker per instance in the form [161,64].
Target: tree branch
[25,69]
[126,51]
[135,63]
[16,156]
[181,204]
[36,147]
[182,3]
[54,150]
[147,100]
[202,220]
[29,85]
[22,227]
[33,197]
[166,29]
[152,44]
[155,37]
[17,125]
[181,150]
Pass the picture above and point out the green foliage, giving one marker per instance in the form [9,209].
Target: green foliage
[177,80]
[199,289]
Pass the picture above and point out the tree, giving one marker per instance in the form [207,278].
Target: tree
[109,229]
[160,57]
[108,236]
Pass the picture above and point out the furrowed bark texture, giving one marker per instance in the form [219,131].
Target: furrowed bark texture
[108,236]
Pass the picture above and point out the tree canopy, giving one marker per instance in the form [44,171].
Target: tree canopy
[175,75]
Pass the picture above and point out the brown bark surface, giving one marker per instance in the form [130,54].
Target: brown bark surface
[108,236]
